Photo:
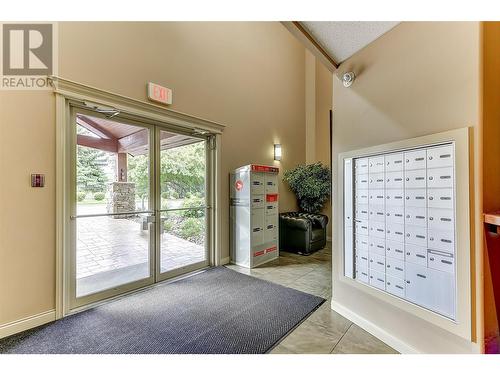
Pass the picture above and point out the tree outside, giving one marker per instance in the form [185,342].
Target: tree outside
[182,183]
[138,173]
[183,171]
[91,177]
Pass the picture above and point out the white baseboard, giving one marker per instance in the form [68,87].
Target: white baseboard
[376,331]
[389,339]
[225,261]
[27,323]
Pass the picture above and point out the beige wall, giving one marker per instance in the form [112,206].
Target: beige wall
[418,79]
[323,101]
[310,108]
[27,215]
[319,89]
[248,76]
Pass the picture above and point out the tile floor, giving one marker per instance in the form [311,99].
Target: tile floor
[324,331]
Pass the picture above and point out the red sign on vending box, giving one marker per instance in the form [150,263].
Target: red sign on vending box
[271,249]
[264,168]
[271,197]
[238,185]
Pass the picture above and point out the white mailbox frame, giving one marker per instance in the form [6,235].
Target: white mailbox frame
[462,325]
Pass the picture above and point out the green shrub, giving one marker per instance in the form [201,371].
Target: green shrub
[311,185]
[165,195]
[168,225]
[80,196]
[193,201]
[192,229]
[99,196]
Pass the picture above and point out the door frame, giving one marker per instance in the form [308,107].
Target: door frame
[75,303]
[71,94]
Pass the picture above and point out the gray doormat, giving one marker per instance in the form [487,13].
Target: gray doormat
[216,311]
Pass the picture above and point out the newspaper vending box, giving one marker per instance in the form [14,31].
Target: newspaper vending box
[254,215]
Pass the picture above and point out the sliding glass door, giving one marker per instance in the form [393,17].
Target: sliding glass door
[139,205]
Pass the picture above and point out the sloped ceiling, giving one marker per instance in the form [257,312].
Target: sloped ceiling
[342,39]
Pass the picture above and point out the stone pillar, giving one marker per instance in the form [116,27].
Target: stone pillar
[121,198]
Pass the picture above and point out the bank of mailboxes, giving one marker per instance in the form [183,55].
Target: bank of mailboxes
[254,215]
[399,224]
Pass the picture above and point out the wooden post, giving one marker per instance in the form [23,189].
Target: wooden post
[121,166]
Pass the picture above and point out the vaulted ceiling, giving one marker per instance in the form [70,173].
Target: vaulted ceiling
[342,39]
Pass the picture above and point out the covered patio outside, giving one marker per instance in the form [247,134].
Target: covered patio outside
[113,177]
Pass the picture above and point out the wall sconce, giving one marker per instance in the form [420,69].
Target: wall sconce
[277,151]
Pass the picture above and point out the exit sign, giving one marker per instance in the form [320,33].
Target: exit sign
[159,93]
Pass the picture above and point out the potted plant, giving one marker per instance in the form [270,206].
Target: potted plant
[311,184]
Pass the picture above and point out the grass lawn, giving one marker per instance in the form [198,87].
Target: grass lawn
[92,201]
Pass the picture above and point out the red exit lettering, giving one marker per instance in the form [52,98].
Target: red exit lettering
[159,93]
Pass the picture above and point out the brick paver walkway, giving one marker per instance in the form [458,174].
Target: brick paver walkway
[107,244]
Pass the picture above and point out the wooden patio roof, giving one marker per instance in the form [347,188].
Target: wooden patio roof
[118,137]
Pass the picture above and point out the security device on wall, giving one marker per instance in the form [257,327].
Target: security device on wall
[37,180]
[348,79]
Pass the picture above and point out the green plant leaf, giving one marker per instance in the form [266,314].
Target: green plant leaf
[311,184]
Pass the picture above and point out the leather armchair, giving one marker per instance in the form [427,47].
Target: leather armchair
[302,233]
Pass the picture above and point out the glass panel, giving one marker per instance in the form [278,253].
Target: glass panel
[112,176]
[95,172]
[138,174]
[111,251]
[182,186]
[183,238]
[183,170]
[112,166]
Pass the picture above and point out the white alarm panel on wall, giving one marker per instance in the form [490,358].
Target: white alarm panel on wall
[399,224]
